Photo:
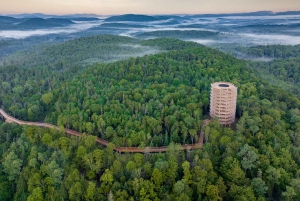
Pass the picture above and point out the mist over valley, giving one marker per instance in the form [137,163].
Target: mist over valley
[217,31]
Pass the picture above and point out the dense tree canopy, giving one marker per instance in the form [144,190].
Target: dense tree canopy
[155,100]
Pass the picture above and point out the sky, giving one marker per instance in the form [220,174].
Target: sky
[108,7]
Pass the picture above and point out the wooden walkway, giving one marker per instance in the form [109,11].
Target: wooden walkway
[198,145]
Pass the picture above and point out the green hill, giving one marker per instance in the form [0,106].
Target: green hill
[102,48]
[153,100]
[284,68]
[88,50]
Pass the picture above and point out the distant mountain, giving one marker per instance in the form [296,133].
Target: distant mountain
[7,22]
[132,17]
[44,23]
[84,19]
[36,23]
[84,15]
[41,15]
[163,17]
[31,15]
[10,23]
[60,21]
[258,13]
[122,25]
[8,19]
[289,13]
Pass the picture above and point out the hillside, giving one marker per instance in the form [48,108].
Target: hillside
[152,100]
[37,23]
[170,44]
[6,19]
[100,48]
[122,25]
[89,50]
[179,34]
[272,51]
[43,74]
[7,22]
[138,91]
[279,65]
[59,21]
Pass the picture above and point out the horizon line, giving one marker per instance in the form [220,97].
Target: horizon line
[24,13]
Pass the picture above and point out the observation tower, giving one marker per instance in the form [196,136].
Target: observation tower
[223,102]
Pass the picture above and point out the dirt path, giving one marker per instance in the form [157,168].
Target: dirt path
[198,145]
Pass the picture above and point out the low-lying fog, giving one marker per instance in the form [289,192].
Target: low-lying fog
[78,27]
[250,39]
[242,30]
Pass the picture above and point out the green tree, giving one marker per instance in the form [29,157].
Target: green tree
[178,187]
[36,195]
[107,177]
[248,156]
[76,191]
[295,184]
[241,193]
[232,172]
[259,186]
[221,187]
[55,172]
[12,166]
[90,191]
[157,178]
[186,171]
[47,98]
[289,194]
[273,176]
[212,193]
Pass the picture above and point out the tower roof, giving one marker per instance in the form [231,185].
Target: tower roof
[222,85]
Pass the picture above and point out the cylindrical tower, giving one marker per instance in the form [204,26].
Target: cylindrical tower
[223,102]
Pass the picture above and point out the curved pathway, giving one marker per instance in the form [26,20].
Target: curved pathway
[198,145]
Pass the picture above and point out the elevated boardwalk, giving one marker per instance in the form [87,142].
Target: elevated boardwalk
[198,145]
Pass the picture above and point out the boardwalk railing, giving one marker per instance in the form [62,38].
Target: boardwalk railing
[104,142]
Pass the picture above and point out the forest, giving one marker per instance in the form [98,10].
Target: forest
[272,51]
[179,34]
[86,50]
[153,100]
[282,70]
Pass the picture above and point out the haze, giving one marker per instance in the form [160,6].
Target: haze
[107,7]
